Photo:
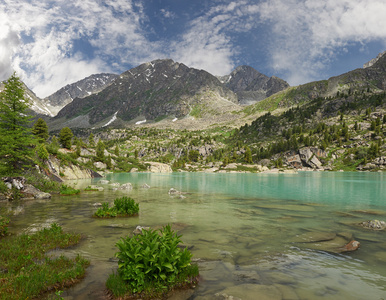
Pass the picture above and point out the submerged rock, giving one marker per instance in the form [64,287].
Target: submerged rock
[251,292]
[312,237]
[126,186]
[145,186]
[173,191]
[327,241]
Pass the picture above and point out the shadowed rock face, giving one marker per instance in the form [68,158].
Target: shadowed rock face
[252,86]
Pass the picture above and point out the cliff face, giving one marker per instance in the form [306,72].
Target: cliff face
[68,171]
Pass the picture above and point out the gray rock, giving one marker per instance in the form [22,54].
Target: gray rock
[145,186]
[374,224]
[100,165]
[29,191]
[173,191]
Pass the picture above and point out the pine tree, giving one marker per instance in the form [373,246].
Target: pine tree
[16,140]
[100,151]
[42,152]
[91,141]
[65,137]
[40,130]
[248,155]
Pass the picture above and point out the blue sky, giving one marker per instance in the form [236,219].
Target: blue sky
[51,43]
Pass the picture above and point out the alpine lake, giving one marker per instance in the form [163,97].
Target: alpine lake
[254,236]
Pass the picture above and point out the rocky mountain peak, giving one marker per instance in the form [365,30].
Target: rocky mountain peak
[80,89]
[252,86]
[374,60]
[151,91]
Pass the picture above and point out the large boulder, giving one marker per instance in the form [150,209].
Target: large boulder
[30,191]
[293,159]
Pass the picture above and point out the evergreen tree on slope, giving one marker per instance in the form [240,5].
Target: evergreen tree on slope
[16,140]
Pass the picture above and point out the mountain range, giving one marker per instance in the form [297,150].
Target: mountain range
[164,89]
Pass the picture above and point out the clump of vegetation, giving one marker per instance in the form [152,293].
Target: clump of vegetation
[27,273]
[68,190]
[122,207]
[151,264]
[91,189]
[3,226]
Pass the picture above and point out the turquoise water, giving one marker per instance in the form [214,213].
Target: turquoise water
[253,235]
[338,188]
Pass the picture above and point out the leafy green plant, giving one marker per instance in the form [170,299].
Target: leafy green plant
[68,190]
[151,264]
[124,206]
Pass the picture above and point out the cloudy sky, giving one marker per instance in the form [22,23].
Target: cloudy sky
[51,43]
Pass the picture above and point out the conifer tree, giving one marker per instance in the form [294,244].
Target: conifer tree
[91,141]
[40,130]
[100,151]
[65,137]
[16,140]
[248,155]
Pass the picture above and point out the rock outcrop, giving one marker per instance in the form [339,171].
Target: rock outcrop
[156,167]
[26,191]
[305,157]
[66,171]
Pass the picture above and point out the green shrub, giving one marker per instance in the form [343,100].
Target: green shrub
[124,206]
[152,263]
[67,190]
[3,187]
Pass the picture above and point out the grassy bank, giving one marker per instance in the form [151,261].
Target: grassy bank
[26,272]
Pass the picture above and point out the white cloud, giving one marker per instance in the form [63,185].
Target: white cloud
[9,40]
[208,44]
[38,39]
[167,13]
[45,57]
[308,35]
